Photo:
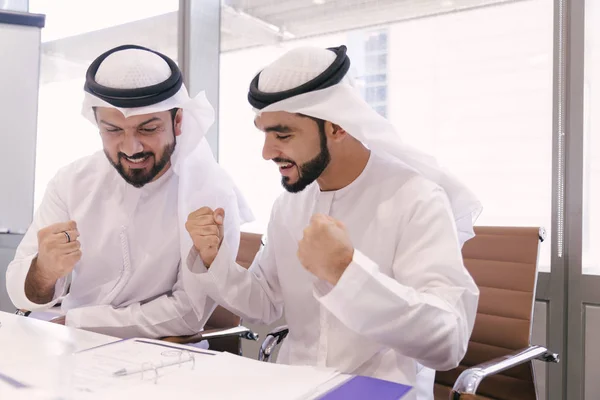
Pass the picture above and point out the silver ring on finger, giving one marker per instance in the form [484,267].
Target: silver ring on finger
[68,236]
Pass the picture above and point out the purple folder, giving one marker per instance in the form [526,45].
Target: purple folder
[367,388]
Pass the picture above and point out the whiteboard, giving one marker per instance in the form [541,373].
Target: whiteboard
[19,83]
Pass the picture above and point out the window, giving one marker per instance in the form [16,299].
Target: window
[69,45]
[591,159]
[14,5]
[473,88]
[369,53]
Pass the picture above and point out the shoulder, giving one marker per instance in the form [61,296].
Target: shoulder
[391,177]
[92,165]
[87,172]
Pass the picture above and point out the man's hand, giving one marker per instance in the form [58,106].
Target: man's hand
[325,250]
[58,250]
[205,227]
[59,320]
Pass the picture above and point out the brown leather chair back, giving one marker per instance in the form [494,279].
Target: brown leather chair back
[503,263]
[221,318]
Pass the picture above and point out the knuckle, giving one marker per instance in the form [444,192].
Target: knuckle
[204,229]
[43,233]
[204,210]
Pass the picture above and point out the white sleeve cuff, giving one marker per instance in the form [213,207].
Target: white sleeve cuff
[16,287]
[356,275]
[73,318]
[194,262]
[196,265]
[220,266]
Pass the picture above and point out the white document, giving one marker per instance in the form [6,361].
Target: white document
[190,373]
[9,392]
[146,360]
[233,377]
[93,371]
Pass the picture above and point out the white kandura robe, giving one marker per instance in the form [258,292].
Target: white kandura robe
[129,281]
[404,307]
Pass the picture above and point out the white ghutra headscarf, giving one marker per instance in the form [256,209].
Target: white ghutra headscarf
[136,80]
[314,82]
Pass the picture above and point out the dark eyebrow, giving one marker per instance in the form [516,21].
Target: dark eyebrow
[150,120]
[139,126]
[109,124]
[278,128]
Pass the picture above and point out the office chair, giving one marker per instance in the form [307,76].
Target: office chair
[498,363]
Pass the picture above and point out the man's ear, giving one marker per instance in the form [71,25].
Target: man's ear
[336,132]
[177,122]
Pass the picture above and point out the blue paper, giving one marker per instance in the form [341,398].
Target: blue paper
[367,388]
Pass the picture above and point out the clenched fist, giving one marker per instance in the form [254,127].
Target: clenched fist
[205,227]
[58,250]
[325,249]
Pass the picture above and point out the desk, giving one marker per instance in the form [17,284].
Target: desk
[24,339]
[28,340]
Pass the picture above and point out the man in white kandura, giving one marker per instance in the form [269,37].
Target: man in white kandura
[363,252]
[110,232]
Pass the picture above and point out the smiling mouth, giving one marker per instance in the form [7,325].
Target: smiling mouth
[284,166]
[137,160]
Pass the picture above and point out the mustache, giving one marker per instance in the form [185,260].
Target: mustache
[136,155]
[283,160]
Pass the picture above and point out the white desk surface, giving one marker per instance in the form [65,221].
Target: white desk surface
[24,340]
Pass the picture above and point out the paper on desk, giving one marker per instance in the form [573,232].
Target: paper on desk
[230,377]
[9,392]
[89,375]
[92,371]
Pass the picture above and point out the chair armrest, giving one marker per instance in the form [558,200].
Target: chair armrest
[237,331]
[44,315]
[273,338]
[469,379]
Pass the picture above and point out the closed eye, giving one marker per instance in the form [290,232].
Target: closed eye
[108,127]
[283,137]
